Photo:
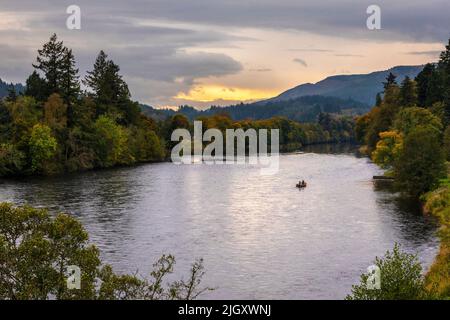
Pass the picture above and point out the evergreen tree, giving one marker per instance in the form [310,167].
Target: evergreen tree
[408,95]
[50,62]
[70,87]
[108,88]
[36,87]
[390,80]
[423,83]
[12,94]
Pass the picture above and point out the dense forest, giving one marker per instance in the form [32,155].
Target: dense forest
[54,126]
[408,134]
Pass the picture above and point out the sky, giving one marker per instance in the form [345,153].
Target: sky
[221,52]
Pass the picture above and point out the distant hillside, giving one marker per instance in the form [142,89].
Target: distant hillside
[4,87]
[303,109]
[359,87]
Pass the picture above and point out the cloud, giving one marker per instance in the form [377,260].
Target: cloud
[349,55]
[168,46]
[301,61]
[431,53]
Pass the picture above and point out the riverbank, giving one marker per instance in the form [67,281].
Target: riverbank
[437,203]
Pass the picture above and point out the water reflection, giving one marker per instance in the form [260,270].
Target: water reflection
[260,237]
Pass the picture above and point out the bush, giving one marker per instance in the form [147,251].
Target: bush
[401,279]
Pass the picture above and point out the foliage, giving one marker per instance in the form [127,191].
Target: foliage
[36,249]
[42,146]
[437,203]
[401,279]
[421,162]
[387,149]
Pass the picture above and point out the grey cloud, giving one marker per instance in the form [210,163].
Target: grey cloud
[432,53]
[301,61]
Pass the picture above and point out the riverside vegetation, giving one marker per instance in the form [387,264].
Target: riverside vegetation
[408,134]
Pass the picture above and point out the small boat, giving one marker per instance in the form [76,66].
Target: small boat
[301,185]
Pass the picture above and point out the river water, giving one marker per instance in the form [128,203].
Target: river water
[260,237]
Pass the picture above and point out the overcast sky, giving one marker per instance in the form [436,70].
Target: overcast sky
[204,52]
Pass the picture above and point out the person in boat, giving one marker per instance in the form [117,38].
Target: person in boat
[301,184]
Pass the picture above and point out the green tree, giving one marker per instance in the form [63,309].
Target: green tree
[387,149]
[421,161]
[423,85]
[42,146]
[107,86]
[70,86]
[410,118]
[408,93]
[401,279]
[12,160]
[36,87]
[112,147]
[50,62]
[36,249]
[390,81]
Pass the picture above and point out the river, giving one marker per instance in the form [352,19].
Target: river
[260,237]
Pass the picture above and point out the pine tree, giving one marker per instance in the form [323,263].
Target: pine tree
[36,87]
[423,83]
[390,80]
[408,95]
[70,86]
[107,86]
[50,62]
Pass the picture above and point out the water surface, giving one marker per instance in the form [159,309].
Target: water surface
[260,237]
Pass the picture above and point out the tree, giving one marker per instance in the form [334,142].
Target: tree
[42,147]
[421,162]
[378,100]
[70,87]
[36,249]
[387,149]
[55,113]
[446,143]
[107,86]
[12,94]
[390,80]
[401,279]
[36,87]
[408,95]
[423,85]
[50,61]
[410,118]
[111,141]
[12,160]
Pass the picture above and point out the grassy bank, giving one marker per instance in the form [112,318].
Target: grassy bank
[437,203]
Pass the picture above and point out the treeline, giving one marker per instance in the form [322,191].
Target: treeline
[56,127]
[408,132]
[328,128]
